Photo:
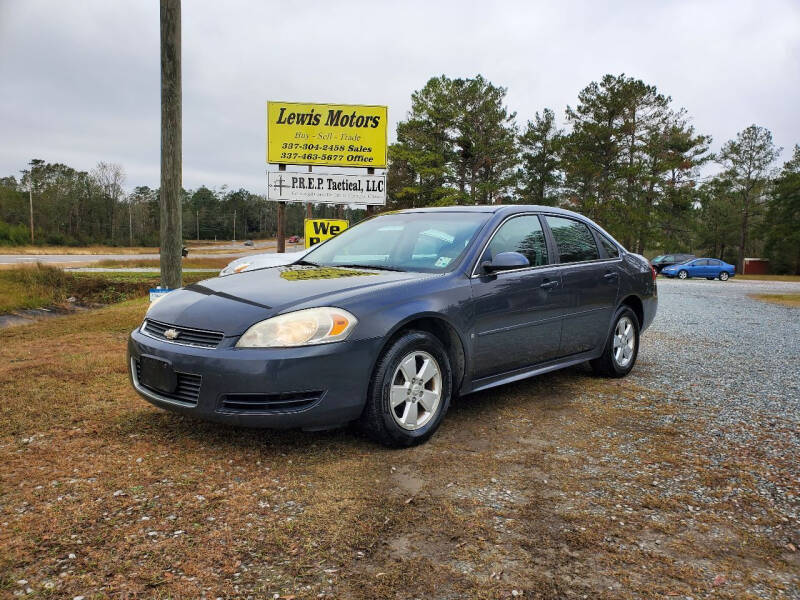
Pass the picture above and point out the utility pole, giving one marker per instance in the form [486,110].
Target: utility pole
[171,142]
[30,198]
[234,224]
[197,223]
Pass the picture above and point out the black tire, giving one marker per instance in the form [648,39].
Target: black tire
[606,365]
[683,274]
[724,276]
[710,278]
[377,420]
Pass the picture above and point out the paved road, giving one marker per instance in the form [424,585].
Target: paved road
[67,259]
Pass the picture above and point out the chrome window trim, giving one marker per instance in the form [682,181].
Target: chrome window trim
[155,396]
[143,331]
[474,274]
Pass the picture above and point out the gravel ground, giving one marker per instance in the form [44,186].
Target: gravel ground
[737,360]
[725,349]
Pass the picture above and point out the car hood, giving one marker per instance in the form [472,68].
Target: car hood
[232,304]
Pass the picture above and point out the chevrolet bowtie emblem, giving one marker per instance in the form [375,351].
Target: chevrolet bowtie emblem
[171,334]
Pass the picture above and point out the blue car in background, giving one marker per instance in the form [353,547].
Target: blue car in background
[710,268]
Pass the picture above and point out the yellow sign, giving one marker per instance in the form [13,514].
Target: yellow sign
[335,135]
[319,230]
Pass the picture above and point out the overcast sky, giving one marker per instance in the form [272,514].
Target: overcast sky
[79,80]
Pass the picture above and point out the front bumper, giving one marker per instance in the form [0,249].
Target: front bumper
[310,387]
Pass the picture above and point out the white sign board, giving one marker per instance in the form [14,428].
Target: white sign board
[326,188]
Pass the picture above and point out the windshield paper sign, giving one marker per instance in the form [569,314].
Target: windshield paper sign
[336,135]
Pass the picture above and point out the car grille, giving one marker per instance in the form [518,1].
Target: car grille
[270,402]
[186,335]
[187,390]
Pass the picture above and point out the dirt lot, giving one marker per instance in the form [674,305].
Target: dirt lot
[679,481]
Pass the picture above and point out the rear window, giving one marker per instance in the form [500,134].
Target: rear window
[610,247]
[574,240]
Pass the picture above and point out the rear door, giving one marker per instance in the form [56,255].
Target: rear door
[589,284]
[517,312]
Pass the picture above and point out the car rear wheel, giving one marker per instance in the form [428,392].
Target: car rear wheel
[622,346]
[723,276]
[683,274]
[410,391]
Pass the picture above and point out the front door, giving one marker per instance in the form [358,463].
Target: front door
[517,314]
[589,287]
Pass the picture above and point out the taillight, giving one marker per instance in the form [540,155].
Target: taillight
[654,272]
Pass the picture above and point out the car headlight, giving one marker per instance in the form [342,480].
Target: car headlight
[300,328]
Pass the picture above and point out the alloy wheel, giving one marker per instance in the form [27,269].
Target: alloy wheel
[624,342]
[416,390]
[683,275]
[723,276]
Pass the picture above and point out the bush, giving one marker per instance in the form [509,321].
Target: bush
[13,235]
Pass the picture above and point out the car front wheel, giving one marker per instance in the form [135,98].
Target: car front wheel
[410,391]
[723,276]
[622,346]
[683,274]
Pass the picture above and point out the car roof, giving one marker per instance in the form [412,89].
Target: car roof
[492,208]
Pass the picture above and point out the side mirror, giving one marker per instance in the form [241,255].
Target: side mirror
[505,261]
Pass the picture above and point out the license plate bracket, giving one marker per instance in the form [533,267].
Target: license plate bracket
[158,374]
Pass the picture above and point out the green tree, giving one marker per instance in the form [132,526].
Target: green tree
[782,223]
[457,145]
[715,223]
[627,152]
[746,163]
[540,176]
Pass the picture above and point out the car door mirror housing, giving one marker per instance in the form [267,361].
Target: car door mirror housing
[505,261]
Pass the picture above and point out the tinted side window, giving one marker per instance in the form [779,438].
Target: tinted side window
[574,240]
[611,250]
[715,263]
[520,234]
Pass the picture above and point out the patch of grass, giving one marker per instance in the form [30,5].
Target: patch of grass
[45,286]
[790,300]
[189,262]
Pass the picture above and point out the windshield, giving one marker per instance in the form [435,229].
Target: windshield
[658,258]
[425,242]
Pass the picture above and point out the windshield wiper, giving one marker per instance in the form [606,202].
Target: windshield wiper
[376,267]
[303,261]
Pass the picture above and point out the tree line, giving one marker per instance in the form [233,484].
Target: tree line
[79,208]
[623,155]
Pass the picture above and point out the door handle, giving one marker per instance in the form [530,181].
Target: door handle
[548,285]
[610,276]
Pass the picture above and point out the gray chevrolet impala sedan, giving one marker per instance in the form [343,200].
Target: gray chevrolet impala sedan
[387,322]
